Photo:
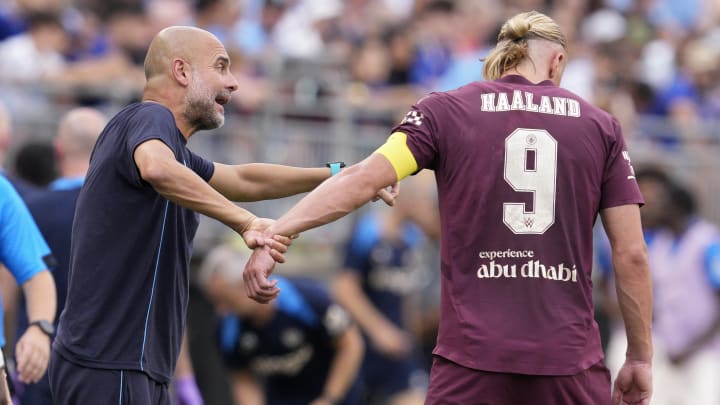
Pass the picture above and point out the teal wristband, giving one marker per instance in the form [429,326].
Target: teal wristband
[335,167]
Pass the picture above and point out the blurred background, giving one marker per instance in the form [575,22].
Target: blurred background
[325,80]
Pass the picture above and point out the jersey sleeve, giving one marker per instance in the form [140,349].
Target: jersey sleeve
[420,126]
[619,186]
[201,166]
[150,122]
[23,249]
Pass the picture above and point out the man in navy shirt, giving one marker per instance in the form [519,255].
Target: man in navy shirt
[301,349]
[119,335]
[54,209]
[523,169]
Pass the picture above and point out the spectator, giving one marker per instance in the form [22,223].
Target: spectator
[381,271]
[684,253]
[54,210]
[300,349]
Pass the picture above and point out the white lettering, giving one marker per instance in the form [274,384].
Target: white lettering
[517,103]
[488,102]
[545,105]
[529,105]
[529,269]
[502,104]
[524,101]
[559,104]
[573,108]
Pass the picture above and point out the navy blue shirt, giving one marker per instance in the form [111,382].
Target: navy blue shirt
[294,350]
[53,210]
[387,269]
[129,259]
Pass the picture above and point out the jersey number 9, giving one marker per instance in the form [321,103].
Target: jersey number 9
[531,167]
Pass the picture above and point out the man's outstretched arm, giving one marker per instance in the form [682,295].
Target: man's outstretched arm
[333,199]
[262,181]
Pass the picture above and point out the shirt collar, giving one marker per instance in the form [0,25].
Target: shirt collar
[517,79]
[67,183]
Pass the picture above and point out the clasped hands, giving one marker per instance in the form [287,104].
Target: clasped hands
[270,249]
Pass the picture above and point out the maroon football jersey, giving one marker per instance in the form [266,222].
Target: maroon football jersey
[522,170]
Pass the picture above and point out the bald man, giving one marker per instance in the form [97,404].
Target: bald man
[119,336]
[53,210]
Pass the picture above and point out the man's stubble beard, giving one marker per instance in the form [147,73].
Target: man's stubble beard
[200,110]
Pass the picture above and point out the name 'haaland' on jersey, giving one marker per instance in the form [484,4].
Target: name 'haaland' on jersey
[525,101]
[529,269]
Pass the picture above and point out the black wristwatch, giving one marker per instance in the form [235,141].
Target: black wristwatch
[45,326]
[335,167]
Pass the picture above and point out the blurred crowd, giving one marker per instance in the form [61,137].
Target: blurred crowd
[654,64]
[640,60]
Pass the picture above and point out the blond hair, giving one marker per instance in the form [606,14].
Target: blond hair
[512,46]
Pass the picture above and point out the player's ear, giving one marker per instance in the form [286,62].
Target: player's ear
[181,71]
[556,68]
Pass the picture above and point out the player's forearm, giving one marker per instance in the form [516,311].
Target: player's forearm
[337,197]
[345,365]
[184,187]
[40,296]
[260,181]
[634,291]
[348,294]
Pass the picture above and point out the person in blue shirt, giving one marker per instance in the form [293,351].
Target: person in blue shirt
[25,254]
[299,349]
[381,273]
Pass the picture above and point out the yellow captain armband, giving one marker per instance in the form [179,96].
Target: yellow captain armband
[397,152]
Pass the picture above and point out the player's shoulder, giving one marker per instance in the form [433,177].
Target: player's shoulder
[469,90]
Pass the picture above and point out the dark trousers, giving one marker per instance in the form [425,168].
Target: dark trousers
[72,384]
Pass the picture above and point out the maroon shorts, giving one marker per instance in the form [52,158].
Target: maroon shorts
[451,383]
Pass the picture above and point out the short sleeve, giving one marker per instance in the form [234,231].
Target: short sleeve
[420,125]
[151,121]
[201,166]
[619,186]
[22,247]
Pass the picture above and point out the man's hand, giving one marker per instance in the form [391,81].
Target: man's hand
[33,354]
[633,385]
[254,237]
[391,340]
[187,392]
[388,196]
[255,277]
